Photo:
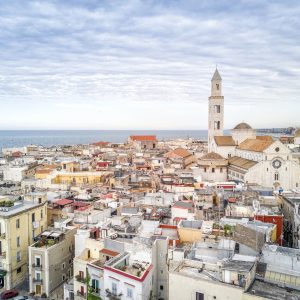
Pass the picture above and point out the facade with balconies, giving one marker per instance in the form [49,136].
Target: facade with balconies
[51,260]
[20,222]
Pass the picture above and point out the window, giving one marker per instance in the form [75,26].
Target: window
[37,261]
[217,125]
[217,109]
[42,215]
[18,241]
[40,200]
[18,223]
[129,293]
[33,217]
[199,296]
[63,278]
[63,266]
[276,176]
[161,287]
[213,170]
[204,169]
[19,270]
[18,256]
[114,288]
[277,149]
[217,86]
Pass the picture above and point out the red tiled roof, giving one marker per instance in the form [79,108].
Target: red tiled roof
[141,138]
[63,202]
[80,204]
[109,252]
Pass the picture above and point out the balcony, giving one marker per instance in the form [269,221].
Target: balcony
[113,295]
[3,255]
[81,294]
[80,278]
[2,235]
[37,266]
[38,280]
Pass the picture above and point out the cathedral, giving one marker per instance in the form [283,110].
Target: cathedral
[250,158]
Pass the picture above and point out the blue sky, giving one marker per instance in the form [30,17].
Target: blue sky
[147,64]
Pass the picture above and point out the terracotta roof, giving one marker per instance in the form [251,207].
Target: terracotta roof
[264,138]
[241,162]
[63,202]
[224,140]
[141,138]
[212,155]
[256,145]
[109,252]
[242,126]
[43,171]
[100,144]
[178,152]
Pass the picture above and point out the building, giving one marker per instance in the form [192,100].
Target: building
[125,278]
[143,142]
[20,223]
[252,159]
[215,109]
[213,167]
[180,158]
[51,260]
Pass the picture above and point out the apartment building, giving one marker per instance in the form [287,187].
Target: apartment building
[20,223]
[51,260]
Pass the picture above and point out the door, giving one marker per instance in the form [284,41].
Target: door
[38,289]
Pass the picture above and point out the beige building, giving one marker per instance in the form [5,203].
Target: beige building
[20,223]
[51,260]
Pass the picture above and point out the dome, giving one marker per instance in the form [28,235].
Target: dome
[297,133]
[212,156]
[242,126]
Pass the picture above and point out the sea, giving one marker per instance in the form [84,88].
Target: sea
[20,138]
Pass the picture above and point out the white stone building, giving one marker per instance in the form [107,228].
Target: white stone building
[252,159]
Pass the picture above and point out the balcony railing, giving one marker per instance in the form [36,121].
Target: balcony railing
[81,294]
[38,280]
[80,278]
[37,266]
[113,295]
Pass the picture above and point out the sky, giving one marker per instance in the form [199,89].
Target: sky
[147,64]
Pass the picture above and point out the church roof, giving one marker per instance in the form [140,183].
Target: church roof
[242,126]
[212,156]
[256,145]
[264,138]
[216,75]
[224,140]
[297,133]
[240,162]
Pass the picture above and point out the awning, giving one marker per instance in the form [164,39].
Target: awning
[2,273]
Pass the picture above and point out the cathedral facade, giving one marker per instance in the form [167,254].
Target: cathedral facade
[251,159]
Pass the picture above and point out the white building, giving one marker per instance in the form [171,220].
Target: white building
[215,109]
[252,159]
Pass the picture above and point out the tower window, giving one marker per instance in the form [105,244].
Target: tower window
[217,125]
[217,109]
[217,86]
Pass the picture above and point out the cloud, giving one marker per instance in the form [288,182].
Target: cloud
[135,53]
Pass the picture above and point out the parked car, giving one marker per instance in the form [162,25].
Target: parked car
[9,294]
[21,298]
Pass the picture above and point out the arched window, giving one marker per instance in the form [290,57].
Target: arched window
[276,176]
[217,86]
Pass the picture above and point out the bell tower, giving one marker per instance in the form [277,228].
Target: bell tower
[215,109]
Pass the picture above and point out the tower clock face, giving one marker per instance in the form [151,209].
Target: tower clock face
[276,164]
